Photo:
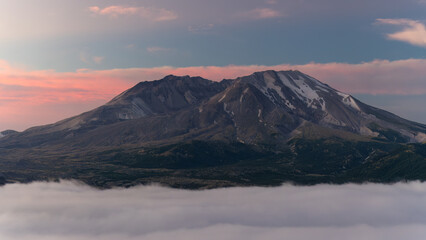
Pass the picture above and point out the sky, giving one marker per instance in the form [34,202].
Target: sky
[59,58]
[72,211]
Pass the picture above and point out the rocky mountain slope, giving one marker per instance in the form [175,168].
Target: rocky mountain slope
[281,120]
[7,132]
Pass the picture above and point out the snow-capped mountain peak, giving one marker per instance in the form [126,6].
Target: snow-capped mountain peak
[247,109]
[314,101]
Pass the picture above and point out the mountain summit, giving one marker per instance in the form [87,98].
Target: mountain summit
[194,123]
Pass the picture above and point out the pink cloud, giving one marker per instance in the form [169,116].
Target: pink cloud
[262,13]
[114,10]
[30,98]
[98,59]
[413,32]
[153,14]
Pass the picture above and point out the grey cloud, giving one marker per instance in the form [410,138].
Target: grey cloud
[69,210]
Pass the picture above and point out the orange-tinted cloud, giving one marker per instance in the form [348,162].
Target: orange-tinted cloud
[30,98]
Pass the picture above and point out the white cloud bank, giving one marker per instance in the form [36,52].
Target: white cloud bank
[413,32]
[68,211]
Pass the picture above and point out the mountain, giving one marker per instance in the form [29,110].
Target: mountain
[7,132]
[191,132]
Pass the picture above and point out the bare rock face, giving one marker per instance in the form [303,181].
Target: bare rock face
[267,107]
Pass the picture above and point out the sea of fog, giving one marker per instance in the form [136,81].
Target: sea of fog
[69,210]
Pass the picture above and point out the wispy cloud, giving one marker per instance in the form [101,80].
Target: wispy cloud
[413,32]
[130,46]
[114,11]
[87,58]
[158,49]
[69,211]
[150,13]
[98,59]
[262,13]
[203,28]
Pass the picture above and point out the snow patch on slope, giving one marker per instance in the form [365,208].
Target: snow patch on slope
[225,108]
[304,92]
[259,115]
[271,84]
[289,105]
[349,101]
[242,95]
[223,97]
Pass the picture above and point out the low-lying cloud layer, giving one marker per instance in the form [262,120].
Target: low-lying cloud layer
[68,211]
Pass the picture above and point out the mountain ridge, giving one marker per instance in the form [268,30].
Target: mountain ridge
[271,114]
[314,101]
